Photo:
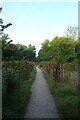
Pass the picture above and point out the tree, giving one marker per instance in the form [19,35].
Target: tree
[1,21]
[72,32]
[1,24]
[44,53]
[31,54]
[9,50]
[12,51]
[60,49]
[63,49]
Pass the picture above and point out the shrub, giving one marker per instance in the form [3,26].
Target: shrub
[16,87]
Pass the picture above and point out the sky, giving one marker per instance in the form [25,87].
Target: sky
[34,22]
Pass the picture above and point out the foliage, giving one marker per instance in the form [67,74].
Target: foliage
[12,51]
[65,92]
[1,24]
[63,49]
[16,86]
[60,49]
[72,32]
[61,71]
[44,53]
[18,74]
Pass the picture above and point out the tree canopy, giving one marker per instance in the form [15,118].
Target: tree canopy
[61,49]
[12,51]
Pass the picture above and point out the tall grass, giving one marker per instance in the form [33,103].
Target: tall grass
[16,87]
[65,93]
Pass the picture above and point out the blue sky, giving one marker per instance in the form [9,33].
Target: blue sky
[33,22]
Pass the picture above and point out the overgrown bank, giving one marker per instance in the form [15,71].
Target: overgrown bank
[60,62]
[64,91]
[18,77]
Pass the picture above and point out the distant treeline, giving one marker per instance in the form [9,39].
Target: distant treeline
[12,51]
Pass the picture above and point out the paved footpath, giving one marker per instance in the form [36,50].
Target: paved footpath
[41,104]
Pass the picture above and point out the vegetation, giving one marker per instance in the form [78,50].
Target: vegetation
[59,60]
[12,51]
[16,85]
[65,91]
[18,74]
[61,50]
[1,24]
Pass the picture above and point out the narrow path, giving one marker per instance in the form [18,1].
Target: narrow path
[41,103]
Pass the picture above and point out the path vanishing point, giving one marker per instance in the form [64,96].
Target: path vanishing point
[41,104]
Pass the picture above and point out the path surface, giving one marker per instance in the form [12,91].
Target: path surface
[41,104]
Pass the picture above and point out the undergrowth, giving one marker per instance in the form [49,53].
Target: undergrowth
[16,90]
[65,95]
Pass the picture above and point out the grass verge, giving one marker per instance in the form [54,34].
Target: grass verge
[15,104]
[65,95]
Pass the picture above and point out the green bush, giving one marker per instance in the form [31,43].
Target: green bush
[16,87]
